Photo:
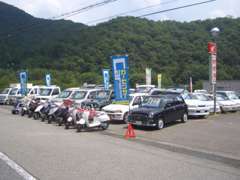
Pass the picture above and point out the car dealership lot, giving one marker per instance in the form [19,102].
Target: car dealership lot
[51,152]
[218,134]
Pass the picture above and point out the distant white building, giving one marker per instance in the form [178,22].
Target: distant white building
[227,85]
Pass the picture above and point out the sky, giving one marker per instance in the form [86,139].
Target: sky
[50,8]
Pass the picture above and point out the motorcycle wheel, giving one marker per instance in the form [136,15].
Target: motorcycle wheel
[36,116]
[30,114]
[59,122]
[22,113]
[79,128]
[66,125]
[104,125]
[50,119]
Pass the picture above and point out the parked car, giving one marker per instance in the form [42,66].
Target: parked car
[102,98]
[119,112]
[143,88]
[84,94]
[231,95]
[32,91]
[14,94]
[4,95]
[66,94]
[157,111]
[48,92]
[208,101]
[196,107]
[226,105]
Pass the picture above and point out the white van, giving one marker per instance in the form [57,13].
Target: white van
[48,92]
[4,95]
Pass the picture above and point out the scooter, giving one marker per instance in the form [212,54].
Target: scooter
[74,114]
[93,119]
[42,110]
[17,108]
[32,107]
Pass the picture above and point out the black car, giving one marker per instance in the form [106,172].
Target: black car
[156,111]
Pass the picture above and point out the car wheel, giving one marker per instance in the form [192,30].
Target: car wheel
[184,118]
[160,124]
[125,118]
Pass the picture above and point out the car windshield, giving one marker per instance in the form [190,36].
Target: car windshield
[202,97]
[232,95]
[102,94]
[79,95]
[13,91]
[65,94]
[190,96]
[221,97]
[45,92]
[151,101]
[143,89]
[5,91]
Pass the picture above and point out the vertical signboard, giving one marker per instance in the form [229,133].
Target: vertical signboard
[148,76]
[159,77]
[212,50]
[120,77]
[48,79]
[106,78]
[23,82]
[190,85]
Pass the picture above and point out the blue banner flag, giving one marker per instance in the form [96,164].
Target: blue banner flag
[106,78]
[48,79]
[120,77]
[23,82]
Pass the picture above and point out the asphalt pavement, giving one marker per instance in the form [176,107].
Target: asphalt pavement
[51,152]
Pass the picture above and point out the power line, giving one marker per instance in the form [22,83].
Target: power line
[176,8]
[68,14]
[129,12]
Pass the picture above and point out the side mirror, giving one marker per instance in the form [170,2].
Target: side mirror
[167,105]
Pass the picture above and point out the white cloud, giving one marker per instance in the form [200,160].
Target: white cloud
[50,8]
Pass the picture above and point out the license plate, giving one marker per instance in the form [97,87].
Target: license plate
[202,111]
[138,122]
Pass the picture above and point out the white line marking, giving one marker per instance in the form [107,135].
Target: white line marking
[16,167]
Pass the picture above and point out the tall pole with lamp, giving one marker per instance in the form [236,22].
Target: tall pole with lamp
[212,49]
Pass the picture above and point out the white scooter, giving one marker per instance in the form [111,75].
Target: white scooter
[92,119]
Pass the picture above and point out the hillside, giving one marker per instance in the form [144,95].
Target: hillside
[75,53]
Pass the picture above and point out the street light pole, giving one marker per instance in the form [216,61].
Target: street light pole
[214,31]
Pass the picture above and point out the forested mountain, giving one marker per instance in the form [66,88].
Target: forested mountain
[75,53]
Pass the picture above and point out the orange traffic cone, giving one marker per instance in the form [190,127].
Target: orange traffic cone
[130,132]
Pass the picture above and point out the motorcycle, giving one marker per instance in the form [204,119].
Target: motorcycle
[73,115]
[17,108]
[42,111]
[92,119]
[60,113]
[32,107]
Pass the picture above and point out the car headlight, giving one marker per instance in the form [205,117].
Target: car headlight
[192,106]
[151,115]
[118,111]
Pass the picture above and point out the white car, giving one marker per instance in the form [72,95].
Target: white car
[231,95]
[225,104]
[66,94]
[4,95]
[82,95]
[120,111]
[196,107]
[48,92]
[144,88]
[208,101]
